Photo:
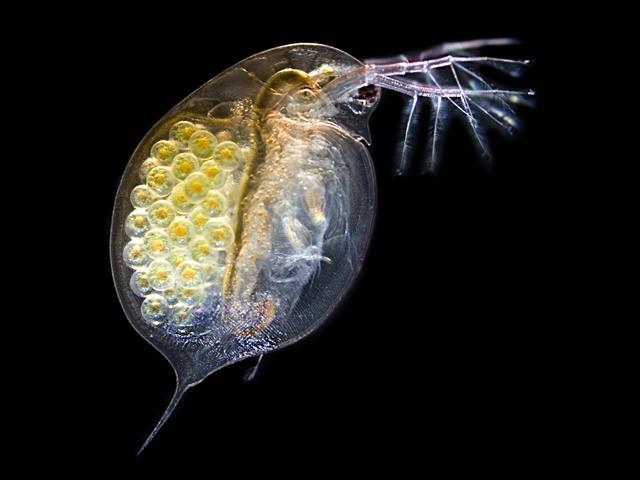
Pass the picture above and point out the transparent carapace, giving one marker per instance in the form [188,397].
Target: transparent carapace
[244,215]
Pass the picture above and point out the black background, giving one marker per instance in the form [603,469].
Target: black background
[445,350]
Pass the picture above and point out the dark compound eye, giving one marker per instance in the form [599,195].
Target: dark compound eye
[368,95]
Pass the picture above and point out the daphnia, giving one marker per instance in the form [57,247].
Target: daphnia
[244,215]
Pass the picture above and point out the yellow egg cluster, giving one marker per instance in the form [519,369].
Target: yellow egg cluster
[181,221]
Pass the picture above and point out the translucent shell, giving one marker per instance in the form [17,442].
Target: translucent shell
[270,195]
[221,269]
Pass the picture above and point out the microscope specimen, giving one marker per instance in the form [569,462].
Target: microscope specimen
[244,215]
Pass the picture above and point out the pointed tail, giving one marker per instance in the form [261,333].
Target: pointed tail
[181,387]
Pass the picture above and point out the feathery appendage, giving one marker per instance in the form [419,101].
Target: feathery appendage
[455,86]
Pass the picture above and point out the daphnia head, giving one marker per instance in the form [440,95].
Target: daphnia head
[307,94]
